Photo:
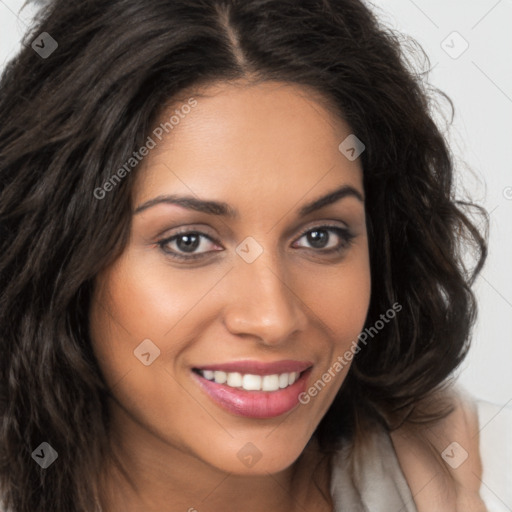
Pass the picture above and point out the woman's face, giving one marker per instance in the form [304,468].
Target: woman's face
[267,290]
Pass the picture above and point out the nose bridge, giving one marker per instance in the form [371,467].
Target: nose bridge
[262,300]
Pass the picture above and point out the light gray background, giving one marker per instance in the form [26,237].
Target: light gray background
[479,81]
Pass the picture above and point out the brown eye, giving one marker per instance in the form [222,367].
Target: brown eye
[328,238]
[185,245]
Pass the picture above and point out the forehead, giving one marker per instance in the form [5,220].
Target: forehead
[243,141]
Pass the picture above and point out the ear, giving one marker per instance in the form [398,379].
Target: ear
[441,461]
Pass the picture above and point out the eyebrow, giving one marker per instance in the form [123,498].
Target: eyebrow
[223,209]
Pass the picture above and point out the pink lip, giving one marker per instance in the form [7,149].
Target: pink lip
[254,404]
[258,367]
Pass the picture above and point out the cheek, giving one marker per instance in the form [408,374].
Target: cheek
[147,301]
[136,304]
[340,296]
[340,301]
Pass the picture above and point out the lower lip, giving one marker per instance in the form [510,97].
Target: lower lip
[254,404]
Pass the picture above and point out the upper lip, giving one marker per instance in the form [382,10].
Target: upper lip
[259,367]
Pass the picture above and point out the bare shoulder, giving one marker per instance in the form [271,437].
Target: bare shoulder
[441,462]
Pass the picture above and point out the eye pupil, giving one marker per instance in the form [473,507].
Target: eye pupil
[318,238]
[191,242]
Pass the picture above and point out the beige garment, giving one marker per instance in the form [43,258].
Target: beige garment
[374,482]
[378,484]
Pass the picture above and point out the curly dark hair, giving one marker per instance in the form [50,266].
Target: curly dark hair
[70,119]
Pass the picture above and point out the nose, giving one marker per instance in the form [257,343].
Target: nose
[263,303]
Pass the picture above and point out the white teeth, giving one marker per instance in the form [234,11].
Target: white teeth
[220,377]
[234,380]
[283,380]
[270,383]
[208,374]
[252,382]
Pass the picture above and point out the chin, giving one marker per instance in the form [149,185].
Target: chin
[257,457]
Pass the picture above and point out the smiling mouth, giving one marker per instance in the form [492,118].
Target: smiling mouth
[251,382]
[255,390]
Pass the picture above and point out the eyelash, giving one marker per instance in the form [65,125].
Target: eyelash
[345,235]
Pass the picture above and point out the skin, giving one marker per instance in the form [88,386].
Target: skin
[266,150]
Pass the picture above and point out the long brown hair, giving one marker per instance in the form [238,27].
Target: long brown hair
[72,117]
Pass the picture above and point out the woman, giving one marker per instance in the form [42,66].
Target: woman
[231,265]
